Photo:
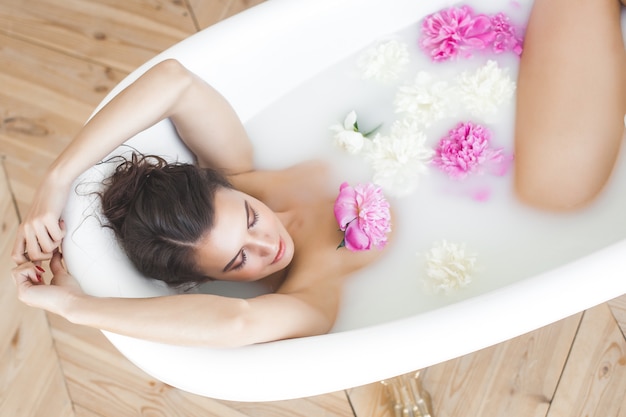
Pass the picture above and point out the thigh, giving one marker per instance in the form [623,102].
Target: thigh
[571,102]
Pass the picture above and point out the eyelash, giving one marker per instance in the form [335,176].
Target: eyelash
[255,216]
[244,257]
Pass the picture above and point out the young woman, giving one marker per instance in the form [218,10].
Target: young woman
[244,225]
[571,101]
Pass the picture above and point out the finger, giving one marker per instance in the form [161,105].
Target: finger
[34,252]
[40,271]
[44,240]
[19,249]
[25,279]
[56,263]
[62,229]
[26,275]
[56,230]
[38,243]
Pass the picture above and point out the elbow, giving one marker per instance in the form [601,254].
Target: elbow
[237,334]
[171,66]
[174,75]
[234,330]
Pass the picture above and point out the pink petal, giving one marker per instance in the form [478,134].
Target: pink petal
[356,239]
[345,207]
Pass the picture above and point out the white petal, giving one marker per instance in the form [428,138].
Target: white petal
[350,120]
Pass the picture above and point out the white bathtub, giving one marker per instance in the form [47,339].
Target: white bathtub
[388,325]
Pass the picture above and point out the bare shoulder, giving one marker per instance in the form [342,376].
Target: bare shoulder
[318,274]
[319,262]
[301,184]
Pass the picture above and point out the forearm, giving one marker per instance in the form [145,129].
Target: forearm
[204,319]
[204,119]
[145,102]
[191,319]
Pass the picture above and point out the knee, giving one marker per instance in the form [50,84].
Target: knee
[565,180]
[554,193]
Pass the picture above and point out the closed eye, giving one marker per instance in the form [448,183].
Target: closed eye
[255,218]
[252,218]
[241,264]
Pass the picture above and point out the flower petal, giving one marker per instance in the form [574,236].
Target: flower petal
[350,121]
[345,207]
[356,239]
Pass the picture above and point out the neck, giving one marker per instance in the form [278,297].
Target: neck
[289,219]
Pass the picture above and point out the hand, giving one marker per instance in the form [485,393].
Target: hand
[41,231]
[57,296]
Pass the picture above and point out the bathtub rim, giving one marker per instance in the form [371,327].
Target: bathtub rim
[387,349]
[453,339]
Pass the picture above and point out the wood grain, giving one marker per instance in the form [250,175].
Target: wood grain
[618,308]
[517,377]
[103,382]
[594,381]
[119,34]
[209,13]
[45,99]
[58,59]
[31,381]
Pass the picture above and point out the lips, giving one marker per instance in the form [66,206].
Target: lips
[280,252]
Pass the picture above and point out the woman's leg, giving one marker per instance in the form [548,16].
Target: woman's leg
[571,100]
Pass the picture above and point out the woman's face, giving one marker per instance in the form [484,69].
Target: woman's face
[248,241]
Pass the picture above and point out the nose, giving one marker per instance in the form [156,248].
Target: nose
[262,244]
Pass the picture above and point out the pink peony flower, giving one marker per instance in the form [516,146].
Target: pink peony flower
[466,150]
[506,37]
[457,29]
[363,214]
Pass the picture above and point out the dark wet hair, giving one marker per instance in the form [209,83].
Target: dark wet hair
[159,211]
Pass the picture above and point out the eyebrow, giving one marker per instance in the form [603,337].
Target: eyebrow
[232,261]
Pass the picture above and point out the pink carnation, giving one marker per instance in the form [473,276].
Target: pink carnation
[457,29]
[363,214]
[506,35]
[466,150]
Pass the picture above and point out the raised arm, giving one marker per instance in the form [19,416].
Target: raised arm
[203,118]
[202,319]
[189,319]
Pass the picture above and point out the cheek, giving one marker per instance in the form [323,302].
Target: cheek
[253,271]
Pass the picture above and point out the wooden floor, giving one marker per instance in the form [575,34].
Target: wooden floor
[58,58]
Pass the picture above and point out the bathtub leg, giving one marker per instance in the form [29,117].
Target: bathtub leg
[407,396]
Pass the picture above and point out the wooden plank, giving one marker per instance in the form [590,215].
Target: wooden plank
[208,13]
[11,307]
[329,405]
[45,99]
[102,382]
[618,308]
[83,412]
[31,382]
[57,60]
[119,34]
[97,374]
[517,377]
[370,401]
[594,380]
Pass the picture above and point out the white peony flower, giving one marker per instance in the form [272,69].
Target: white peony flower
[484,91]
[448,267]
[398,160]
[425,100]
[347,136]
[384,62]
